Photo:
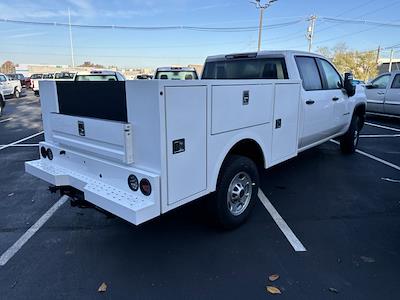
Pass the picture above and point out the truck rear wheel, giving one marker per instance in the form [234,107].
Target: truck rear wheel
[236,192]
[349,141]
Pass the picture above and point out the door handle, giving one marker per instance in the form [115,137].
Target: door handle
[335,98]
[381,93]
[310,102]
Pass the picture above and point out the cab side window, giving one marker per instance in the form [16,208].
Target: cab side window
[396,82]
[2,78]
[333,80]
[381,82]
[309,73]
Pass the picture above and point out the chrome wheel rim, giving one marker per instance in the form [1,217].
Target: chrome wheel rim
[239,193]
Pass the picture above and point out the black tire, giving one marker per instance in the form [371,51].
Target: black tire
[17,94]
[349,141]
[2,104]
[240,169]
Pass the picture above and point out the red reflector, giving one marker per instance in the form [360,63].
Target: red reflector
[145,187]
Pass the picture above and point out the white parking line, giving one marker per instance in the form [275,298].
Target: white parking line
[6,256]
[374,158]
[21,140]
[383,115]
[379,135]
[293,240]
[5,120]
[22,145]
[391,180]
[381,126]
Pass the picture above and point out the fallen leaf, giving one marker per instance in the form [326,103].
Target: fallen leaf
[273,290]
[273,277]
[102,288]
[10,194]
[333,290]
[367,259]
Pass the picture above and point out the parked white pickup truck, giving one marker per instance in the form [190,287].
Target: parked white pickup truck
[35,78]
[163,143]
[10,87]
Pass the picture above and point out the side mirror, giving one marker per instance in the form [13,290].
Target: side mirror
[348,84]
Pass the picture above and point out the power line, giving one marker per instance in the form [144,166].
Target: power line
[362,22]
[152,28]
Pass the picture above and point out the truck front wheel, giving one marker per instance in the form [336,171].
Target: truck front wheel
[236,192]
[349,141]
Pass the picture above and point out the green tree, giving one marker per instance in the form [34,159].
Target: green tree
[362,64]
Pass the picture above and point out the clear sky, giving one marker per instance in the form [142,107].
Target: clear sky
[128,48]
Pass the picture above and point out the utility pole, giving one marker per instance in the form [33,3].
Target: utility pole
[391,60]
[262,8]
[310,31]
[70,38]
[378,54]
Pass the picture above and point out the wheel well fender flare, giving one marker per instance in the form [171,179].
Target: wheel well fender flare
[253,139]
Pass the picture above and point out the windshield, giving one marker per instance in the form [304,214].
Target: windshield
[258,68]
[36,76]
[176,75]
[96,78]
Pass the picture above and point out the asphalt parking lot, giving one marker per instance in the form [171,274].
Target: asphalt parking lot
[345,211]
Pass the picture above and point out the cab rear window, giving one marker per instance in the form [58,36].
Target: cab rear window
[96,78]
[257,68]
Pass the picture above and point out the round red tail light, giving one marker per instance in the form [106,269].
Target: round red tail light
[145,187]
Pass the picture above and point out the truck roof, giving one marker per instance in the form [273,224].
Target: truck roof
[97,72]
[261,54]
[167,69]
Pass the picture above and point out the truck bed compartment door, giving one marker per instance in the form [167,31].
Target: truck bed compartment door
[286,122]
[185,109]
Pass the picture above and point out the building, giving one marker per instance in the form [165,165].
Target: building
[383,65]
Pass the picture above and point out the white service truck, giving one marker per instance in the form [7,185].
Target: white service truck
[10,87]
[141,148]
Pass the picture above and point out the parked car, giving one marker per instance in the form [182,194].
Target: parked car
[10,87]
[64,76]
[48,76]
[27,82]
[100,75]
[35,82]
[162,143]
[19,77]
[2,102]
[176,73]
[357,81]
[144,77]
[383,94]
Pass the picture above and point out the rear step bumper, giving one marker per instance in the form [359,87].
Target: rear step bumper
[130,206]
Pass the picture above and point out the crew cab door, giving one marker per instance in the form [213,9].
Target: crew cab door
[332,84]
[376,92]
[392,99]
[317,104]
